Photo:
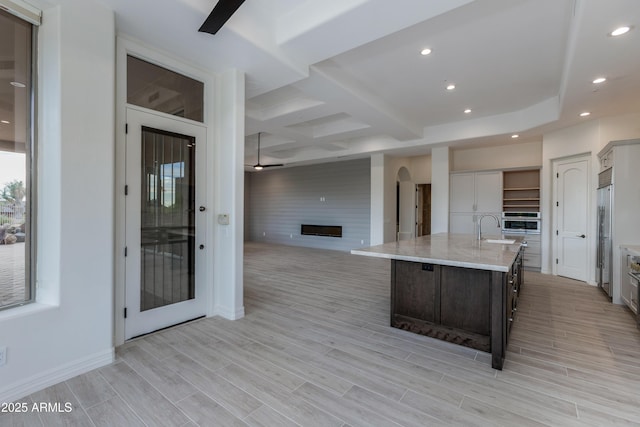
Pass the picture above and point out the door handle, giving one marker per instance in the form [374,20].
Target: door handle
[202,208]
[581,236]
[201,247]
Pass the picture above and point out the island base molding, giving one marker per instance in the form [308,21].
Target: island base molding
[444,333]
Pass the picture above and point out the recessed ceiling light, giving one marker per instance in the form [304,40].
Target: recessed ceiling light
[18,84]
[515,135]
[425,51]
[451,87]
[620,31]
[467,111]
[600,80]
[585,114]
[6,122]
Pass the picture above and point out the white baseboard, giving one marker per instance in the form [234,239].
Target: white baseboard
[56,375]
[227,313]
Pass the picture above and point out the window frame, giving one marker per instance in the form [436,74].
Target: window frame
[31,159]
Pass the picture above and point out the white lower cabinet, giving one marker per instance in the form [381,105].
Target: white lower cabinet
[630,276]
[532,259]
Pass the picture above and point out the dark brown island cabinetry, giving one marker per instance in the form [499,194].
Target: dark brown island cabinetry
[465,306]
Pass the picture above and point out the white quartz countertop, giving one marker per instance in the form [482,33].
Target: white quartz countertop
[456,250]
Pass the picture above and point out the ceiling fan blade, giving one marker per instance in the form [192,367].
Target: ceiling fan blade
[219,15]
[273,165]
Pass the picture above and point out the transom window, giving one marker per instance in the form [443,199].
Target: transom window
[160,89]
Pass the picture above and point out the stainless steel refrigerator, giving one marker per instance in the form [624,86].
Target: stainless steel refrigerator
[604,272]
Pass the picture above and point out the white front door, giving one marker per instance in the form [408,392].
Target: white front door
[572,213]
[164,221]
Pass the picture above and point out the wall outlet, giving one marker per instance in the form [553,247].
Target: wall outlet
[3,355]
[291,236]
[362,242]
[264,234]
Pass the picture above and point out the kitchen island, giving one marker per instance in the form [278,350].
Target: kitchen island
[455,287]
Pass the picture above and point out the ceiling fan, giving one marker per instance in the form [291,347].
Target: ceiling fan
[259,166]
[221,12]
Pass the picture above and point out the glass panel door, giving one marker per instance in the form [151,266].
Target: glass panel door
[165,221]
[167,229]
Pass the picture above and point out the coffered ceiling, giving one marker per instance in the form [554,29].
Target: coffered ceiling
[328,79]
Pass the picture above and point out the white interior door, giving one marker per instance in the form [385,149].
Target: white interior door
[572,213]
[164,222]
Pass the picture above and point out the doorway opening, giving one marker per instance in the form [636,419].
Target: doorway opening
[423,209]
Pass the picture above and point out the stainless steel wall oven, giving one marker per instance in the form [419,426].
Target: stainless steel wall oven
[521,222]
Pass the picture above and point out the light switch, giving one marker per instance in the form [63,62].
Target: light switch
[223,219]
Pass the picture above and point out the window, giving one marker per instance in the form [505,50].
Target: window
[16,155]
[157,88]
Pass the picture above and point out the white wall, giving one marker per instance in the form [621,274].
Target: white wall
[229,196]
[392,166]
[247,207]
[588,137]
[441,166]
[384,176]
[69,330]
[420,169]
[407,211]
[619,128]
[336,193]
[516,155]
[377,220]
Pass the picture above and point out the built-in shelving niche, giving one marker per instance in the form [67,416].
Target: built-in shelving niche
[521,191]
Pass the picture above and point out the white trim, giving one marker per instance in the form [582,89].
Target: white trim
[124,46]
[225,312]
[25,310]
[56,375]
[22,10]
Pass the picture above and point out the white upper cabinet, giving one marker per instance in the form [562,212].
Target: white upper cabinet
[463,192]
[476,192]
[489,192]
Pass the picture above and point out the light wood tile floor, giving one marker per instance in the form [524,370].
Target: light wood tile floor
[315,348]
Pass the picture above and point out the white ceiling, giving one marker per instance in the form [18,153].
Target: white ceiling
[329,79]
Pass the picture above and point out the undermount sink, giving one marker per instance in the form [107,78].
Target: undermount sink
[501,241]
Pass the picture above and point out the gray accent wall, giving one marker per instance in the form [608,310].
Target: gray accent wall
[280,200]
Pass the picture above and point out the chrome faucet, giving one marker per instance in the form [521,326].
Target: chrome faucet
[480,224]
